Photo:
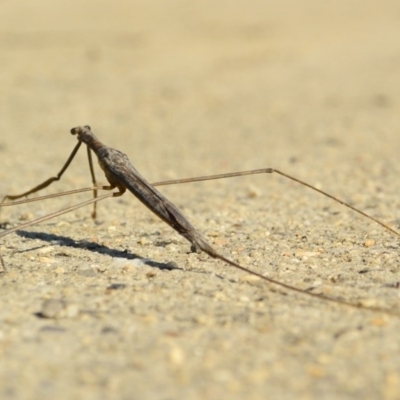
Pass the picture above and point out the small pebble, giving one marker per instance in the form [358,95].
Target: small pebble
[203,319]
[249,278]
[45,250]
[116,286]
[176,356]
[253,192]
[47,260]
[143,241]
[55,309]
[305,253]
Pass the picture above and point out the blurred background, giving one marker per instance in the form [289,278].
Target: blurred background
[275,80]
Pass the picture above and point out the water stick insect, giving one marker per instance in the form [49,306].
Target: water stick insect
[122,176]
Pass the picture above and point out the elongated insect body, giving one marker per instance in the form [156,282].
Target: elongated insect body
[121,174]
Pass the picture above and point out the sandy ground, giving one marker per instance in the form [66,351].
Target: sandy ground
[187,89]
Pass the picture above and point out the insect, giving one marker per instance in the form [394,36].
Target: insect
[122,176]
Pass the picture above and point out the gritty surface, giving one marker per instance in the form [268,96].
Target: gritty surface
[119,308]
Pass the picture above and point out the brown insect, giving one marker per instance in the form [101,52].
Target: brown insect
[122,176]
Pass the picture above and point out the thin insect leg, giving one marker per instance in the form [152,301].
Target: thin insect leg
[89,154]
[48,181]
[301,291]
[270,171]
[57,213]
[54,195]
